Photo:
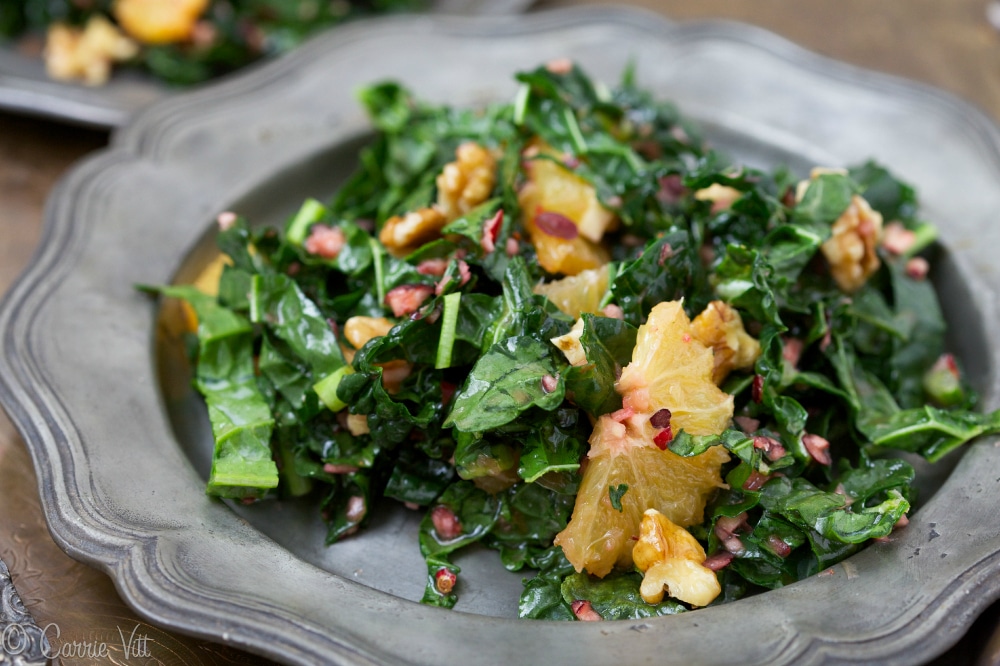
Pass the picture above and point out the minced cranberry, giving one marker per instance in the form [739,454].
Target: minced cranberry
[445,522]
[583,610]
[444,580]
[663,438]
[491,229]
[818,447]
[407,298]
[556,224]
[324,241]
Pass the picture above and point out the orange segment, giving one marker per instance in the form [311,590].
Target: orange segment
[553,188]
[669,370]
[578,293]
[599,537]
[159,21]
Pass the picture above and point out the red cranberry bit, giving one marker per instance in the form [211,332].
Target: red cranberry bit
[666,252]
[706,253]
[778,545]
[897,239]
[678,133]
[585,612]
[560,66]
[613,311]
[755,481]
[733,544]
[324,241]
[651,150]
[818,447]
[407,298]
[444,580]
[331,468]
[549,383]
[447,391]
[757,390]
[946,362]
[840,490]
[671,188]
[788,198]
[356,509]
[445,522]
[791,350]
[660,419]
[435,267]
[555,224]
[917,268]
[747,424]
[622,414]
[718,561]
[253,36]
[203,34]
[491,229]
[226,220]
[771,447]
[663,438]
[726,528]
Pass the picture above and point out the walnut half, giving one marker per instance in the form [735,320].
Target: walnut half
[672,561]
[462,185]
[466,182]
[851,249]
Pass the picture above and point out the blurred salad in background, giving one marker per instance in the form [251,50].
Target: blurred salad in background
[180,42]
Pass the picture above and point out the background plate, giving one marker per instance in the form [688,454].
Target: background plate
[26,88]
[119,469]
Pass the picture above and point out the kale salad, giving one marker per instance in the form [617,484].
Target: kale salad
[179,42]
[566,329]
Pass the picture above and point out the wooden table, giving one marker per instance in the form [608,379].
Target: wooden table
[947,43]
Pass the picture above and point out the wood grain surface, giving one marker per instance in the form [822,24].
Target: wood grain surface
[946,43]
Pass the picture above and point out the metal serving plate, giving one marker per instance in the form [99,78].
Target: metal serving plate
[120,448]
[25,88]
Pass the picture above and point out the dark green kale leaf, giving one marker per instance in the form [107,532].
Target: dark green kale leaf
[668,269]
[242,423]
[508,379]
[555,445]
[616,596]
[608,345]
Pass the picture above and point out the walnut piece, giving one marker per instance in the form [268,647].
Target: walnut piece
[462,185]
[672,561]
[402,234]
[357,424]
[850,250]
[721,196]
[719,326]
[86,54]
[570,345]
[467,182]
[359,330]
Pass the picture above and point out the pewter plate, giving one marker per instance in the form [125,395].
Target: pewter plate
[25,87]
[120,448]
